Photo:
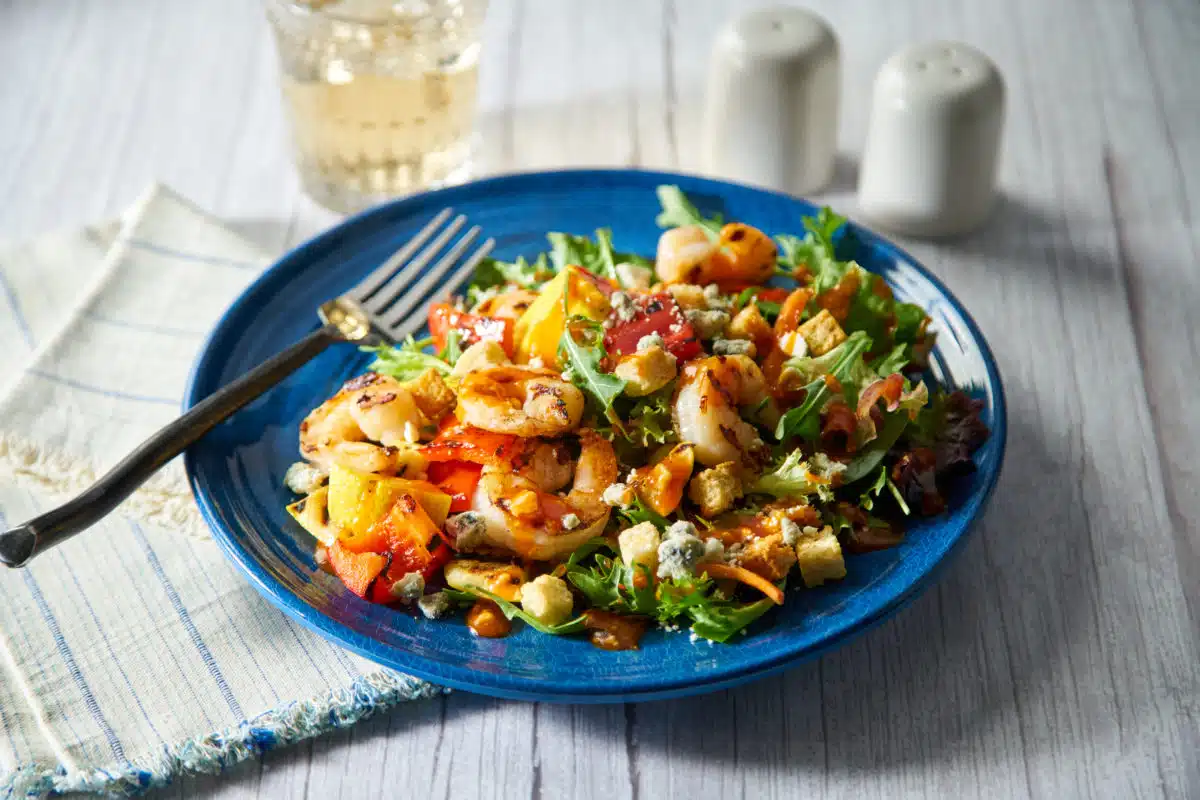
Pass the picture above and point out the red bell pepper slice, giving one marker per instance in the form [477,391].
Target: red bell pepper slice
[472,328]
[457,479]
[657,313]
[357,570]
[458,442]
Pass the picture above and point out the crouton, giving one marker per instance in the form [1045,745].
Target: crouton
[820,556]
[431,394]
[822,333]
[689,296]
[547,599]
[768,556]
[716,490]
[639,545]
[750,324]
[481,355]
[646,371]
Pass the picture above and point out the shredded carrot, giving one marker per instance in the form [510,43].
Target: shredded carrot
[747,577]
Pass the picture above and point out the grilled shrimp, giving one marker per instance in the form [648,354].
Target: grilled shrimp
[522,401]
[523,518]
[706,409]
[548,464]
[689,255]
[361,426]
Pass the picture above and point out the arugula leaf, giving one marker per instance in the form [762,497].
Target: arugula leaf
[892,362]
[719,622]
[678,211]
[513,611]
[521,273]
[598,583]
[804,420]
[407,360]
[583,359]
[584,550]
[598,257]
[639,512]
[797,477]
[872,455]
[769,309]
[676,598]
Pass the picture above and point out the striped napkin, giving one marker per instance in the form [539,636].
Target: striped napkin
[134,652]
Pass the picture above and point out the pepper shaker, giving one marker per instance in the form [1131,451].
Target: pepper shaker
[929,166]
[772,102]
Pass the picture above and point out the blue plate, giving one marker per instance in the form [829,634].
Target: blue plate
[237,470]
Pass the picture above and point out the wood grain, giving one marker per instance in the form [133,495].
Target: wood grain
[1058,655]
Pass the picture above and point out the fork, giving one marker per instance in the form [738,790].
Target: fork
[384,307]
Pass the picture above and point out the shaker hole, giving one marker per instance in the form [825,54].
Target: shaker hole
[921,65]
[958,71]
[948,52]
[776,25]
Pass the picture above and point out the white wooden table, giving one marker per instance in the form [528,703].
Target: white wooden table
[1058,656]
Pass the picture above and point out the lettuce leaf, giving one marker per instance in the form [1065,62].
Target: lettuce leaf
[678,211]
[845,363]
[797,477]
[721,621]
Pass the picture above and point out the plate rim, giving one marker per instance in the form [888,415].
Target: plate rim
[520,688]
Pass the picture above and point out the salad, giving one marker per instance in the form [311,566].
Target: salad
[592,442]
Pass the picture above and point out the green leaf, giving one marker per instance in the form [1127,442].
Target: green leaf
[719,622]
[639,512]
[582,361]
[598,583]
[893,361]
[871,456]
[867,500]
[453,349]
[676,598]
[678,211]
[597,257]
[520,273]
[845,359]
[513,611]
[797,477]
[649,422]
[895,490]
[586,549]
[406,360]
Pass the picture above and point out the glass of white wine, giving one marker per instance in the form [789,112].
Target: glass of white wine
[381,94]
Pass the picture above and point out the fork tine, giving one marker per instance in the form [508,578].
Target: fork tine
[431,281]
[369,285]
[397,285]
[416,320]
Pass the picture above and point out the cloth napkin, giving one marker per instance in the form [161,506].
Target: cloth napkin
[134,652]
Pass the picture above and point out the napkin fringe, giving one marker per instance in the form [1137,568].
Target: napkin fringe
[291,723]
[165,500]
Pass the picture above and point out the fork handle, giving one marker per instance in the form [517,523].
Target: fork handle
[24,542]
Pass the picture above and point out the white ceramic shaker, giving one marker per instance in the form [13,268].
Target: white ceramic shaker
[929,167]
[772,104]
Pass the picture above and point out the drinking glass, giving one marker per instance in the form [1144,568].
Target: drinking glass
[381,95]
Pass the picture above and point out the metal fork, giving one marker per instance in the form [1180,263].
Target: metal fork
[384,307]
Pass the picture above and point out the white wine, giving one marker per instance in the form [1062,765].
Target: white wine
[380,106]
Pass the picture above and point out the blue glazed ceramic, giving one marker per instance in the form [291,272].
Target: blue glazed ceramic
[237,470]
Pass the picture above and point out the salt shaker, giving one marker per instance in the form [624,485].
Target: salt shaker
[929,166]
[772,102]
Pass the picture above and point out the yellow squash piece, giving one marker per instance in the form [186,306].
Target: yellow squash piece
[540,328]
[357,500]
[312,513]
